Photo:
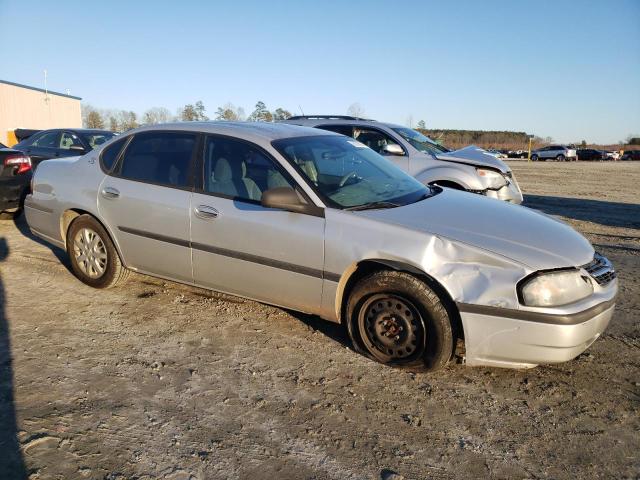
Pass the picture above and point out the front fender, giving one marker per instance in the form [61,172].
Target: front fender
[462,175]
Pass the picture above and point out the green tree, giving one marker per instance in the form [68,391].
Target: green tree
[193,113]
[94,120]
[281,114]
[229,112]
[422,125]
[261,114]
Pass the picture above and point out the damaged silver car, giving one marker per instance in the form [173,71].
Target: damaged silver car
[318,222]
[471,168]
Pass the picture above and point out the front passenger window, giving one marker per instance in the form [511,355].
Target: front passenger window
[374,139]
[159,157]
[238,170]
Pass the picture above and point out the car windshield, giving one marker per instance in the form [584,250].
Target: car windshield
[349,175]
[420,141]
[98,138]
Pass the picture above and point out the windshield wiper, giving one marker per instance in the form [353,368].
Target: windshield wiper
[373,206]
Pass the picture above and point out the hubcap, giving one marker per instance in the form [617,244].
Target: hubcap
[392,327]
[90,253]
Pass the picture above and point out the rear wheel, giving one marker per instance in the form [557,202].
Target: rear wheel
[534,158]
[396,319]
[94,258]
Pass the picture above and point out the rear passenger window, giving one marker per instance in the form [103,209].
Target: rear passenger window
[159,157]
[110,153]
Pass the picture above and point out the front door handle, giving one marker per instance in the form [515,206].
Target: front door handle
[205,212]
[110,192]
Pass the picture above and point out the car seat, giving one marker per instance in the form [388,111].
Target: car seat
[230,178]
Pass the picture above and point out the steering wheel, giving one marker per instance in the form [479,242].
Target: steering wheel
[346,177]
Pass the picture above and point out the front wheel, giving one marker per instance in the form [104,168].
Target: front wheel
[94,258]
[396,319]
[561,158]
[534,158]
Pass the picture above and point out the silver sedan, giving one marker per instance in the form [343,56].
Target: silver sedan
[318,222]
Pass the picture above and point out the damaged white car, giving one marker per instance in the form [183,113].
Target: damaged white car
[318,222]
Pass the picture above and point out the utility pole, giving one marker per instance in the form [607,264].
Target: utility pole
[529,154]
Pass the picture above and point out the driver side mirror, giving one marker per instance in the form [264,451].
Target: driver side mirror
[78,148]
[286,198]
[393,149]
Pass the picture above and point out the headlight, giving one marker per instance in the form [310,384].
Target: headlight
[554,289]
[492,179]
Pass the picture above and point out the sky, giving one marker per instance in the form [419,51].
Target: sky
[569,70]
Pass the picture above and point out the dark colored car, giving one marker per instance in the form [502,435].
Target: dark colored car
[61,142]
[15,178]
[591,154]
[631,155]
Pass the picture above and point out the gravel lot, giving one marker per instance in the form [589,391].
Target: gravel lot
[157,380]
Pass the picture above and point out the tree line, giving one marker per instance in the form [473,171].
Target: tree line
[122,120]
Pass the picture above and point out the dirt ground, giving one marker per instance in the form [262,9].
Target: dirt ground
[157,380]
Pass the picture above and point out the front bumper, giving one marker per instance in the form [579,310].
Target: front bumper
[523,339]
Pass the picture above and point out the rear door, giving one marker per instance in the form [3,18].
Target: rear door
[243,248]
[146,201]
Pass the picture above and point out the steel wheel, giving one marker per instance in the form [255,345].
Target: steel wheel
[90,253]
[391,328]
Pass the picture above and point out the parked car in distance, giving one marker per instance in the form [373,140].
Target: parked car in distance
[590,154]
[15,176]
[631,155]
[560,153]
[65,142]
[518,153]
[496,153]
[612,155]
[471,168]
[317,222]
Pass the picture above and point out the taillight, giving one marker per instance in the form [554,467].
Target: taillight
[19,160]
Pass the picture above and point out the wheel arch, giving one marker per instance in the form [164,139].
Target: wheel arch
[69,215]
[366,267]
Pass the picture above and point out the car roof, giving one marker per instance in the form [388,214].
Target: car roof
[315,120]
[247,130]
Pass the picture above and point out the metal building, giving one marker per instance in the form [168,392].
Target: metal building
[22,106]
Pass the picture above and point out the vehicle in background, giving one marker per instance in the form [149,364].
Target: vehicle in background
[560,153]
[470,168]
[590,154]
[317,222]
[612,155]
[631,155]
[67,142]
[15,177]
[518,154]
[496,153]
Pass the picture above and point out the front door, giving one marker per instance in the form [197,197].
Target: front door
[146,201]
[243,248]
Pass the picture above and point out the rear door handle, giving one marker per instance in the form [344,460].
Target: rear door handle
[110,192]
[205,212]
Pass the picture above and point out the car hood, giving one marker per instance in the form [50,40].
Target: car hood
[524,235]
[475,156]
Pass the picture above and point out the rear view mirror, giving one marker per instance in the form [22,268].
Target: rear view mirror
[286,198]
[77,148]
[393,149]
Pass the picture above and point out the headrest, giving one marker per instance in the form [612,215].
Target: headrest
[226,170]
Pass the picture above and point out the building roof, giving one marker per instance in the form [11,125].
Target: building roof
[49,92]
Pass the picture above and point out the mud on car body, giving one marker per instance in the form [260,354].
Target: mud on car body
[318,222]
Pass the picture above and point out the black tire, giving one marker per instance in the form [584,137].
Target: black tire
[396,319]
[534,158]
[561,158]
[112,271]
